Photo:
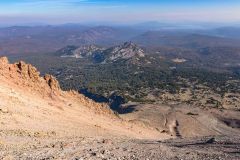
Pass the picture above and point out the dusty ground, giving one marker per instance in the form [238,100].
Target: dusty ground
[184,120]
[77,148]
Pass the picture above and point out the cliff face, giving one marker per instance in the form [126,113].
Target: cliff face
[26,75]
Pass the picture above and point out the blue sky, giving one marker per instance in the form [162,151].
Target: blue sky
[119,11]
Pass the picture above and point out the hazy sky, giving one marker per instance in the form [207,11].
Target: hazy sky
[120,11]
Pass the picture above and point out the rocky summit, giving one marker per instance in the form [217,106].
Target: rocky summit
[124,51]
[84,51]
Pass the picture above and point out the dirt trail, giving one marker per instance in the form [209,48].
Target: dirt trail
[174,129]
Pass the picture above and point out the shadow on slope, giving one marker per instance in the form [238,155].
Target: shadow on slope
[114,101]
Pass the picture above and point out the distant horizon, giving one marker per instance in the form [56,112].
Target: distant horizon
[15,12]
[183,25]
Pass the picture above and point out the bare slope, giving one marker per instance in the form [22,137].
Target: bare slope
[36,105]
[185,120]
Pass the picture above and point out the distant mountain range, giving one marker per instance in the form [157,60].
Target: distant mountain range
[17,40]
[45,39]
[225,32]
[183,40]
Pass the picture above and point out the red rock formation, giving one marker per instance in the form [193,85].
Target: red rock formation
[27,76]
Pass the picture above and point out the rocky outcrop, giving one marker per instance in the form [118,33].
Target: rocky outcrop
[52,82]
[85,51]
[3,62]
[126,51]
[28,77]
[28,71]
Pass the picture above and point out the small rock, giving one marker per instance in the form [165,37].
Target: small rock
[3,109]
[106,141]
[211,140]
[164,131]
[93,154]
[102,151]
